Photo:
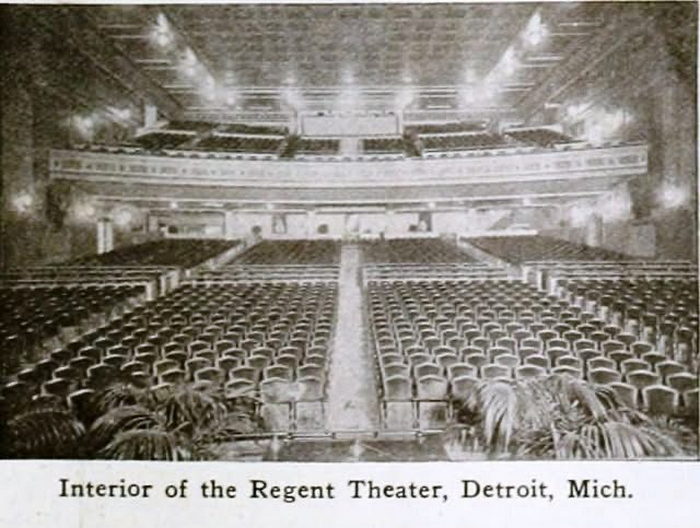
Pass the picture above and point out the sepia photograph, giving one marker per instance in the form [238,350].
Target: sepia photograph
[349,232]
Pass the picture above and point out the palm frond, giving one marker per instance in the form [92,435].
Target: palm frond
[122,419]
[187,408]
[45,433]
[144,444]
[499,404]
[122,394]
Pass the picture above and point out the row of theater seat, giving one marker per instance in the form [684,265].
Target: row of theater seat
[32,315]
[663,313]
[384,145]
[191,126]
[240,144]
[266,339]
[434,340]
[445,128]
[317,146]
[518,249]
[165,252]
[462,142]
[419,250]
[271,272]
[280,252]
[163,139]
[426,271]
[543,137]
[264,130]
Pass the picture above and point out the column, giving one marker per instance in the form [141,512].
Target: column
[389,224]
[310,224]
[229,225]
[105,235]
[150,115]
[594,231]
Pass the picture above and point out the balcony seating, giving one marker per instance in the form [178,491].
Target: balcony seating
[191,126]
[163,139]
[543,137]
[280,252]
[518,249]
[442,128]
[468,141]
[317,146]
[383,145]
[165,252]
[265,130]
[230,143]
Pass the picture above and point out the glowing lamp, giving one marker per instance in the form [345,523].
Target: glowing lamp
[23,202]
[673,196]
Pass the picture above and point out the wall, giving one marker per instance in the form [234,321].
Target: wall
[643,90]
[31,234]
[46,83]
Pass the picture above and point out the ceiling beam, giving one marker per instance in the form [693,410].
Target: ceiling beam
[582,61]
[78,28]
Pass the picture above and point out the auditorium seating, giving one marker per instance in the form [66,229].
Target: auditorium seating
[265,130]
[267,340]
[468,141]
[33,314]
[191,126]
[383,145]
[433,270]
[413,250]
[443,128]
[268,272]
[660,313]
[317,146]
[164,252]
[436,339]
[518,249]
[61,273]
[163,139]
[440,322]
[278,252]
[543,137]
[240,143]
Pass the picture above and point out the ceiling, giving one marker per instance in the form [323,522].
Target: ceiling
[269,57]
[316,46]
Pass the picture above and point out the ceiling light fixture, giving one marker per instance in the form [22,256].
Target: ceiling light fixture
[536,30]
[162,35]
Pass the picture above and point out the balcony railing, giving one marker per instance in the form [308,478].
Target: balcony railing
[511,165]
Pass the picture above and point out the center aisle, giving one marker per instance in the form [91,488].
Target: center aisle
[352,392]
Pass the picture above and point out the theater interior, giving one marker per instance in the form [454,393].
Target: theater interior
[349,232]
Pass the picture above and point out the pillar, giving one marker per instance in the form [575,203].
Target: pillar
[150,115]
[594,231]
[390,228]
[105,235]
[229,225]
[311,224]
